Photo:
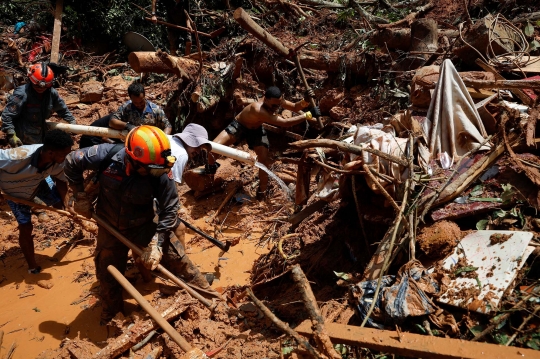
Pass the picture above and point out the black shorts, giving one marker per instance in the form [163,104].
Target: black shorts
[254,137]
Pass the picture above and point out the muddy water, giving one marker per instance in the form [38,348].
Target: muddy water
[46,317]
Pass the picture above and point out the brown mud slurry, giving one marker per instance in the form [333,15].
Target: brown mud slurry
[497,238]
[37,318]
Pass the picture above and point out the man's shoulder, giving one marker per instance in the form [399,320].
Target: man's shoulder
[21,91]
[19,153]
[155,107]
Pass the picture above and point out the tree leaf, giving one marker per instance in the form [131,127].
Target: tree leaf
[482,224]
[529,29]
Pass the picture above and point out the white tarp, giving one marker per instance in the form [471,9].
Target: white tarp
[453,124]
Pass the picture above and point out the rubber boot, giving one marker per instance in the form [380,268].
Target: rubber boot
[189,271]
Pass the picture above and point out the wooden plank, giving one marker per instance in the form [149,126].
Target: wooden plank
[416,345]
[533,65]
[57,31]
[518,92]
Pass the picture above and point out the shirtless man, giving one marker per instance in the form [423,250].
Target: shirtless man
[248,125]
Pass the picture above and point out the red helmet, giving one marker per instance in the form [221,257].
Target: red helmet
[41,75]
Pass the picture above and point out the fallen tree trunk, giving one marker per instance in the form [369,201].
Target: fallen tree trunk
[498,84]
[162,63]
[400,39]
[346,147]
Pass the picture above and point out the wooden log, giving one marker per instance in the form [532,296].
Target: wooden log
[528,17]
[424,43]
[400,39]
[283,326]
[57,31]
[346,147]
[319,330]
[162,63]
[498,84]
[247,23]
[520,94]
[139,331]
[416,345]
[337,61]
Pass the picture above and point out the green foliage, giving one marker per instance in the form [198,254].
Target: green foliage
[344,16]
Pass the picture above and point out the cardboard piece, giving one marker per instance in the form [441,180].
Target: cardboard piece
[497,265]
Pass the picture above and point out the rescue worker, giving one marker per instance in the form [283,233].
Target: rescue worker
[136,112]
[135,177]
[186,145]
[176,15]
[23,171]
[248,125]
[23,119]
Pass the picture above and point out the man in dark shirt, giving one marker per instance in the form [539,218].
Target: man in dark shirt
[23,119]
[136,176]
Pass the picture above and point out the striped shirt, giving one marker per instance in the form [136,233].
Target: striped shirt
[19,175]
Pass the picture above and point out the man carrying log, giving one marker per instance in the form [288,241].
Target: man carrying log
[28,171]
[176,15]
[136,112]
[248,125]
[130,182]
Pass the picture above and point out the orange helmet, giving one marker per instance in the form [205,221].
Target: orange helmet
[41,75]
[150,147]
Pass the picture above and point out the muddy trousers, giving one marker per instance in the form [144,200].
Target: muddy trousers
[110,251]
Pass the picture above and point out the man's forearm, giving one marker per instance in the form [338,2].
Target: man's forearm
[293,121]
[168,130]
[154,7]
[117,124]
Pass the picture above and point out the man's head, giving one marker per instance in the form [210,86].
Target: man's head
[272,99]
[41,76]
[149,151]
[195,139]
[56,146]
[137,95]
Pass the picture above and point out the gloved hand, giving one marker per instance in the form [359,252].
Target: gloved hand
[82,204]
[211,169]
[14,141]
[129,127]
[309,94]
[151,255]
[315,111]
[308,115]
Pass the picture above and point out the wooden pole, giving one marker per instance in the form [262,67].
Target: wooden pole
[178,339]
[57,31]
[247,23]
[136,250]
[37,205]
[416,345]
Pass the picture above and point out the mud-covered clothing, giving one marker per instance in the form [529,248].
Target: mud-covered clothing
[46,191]
[126,201]
[110,251]
[152,115]
[26,112]
[254,137]
[177,16]
[19,174]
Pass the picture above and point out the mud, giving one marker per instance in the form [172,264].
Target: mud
[439,239]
